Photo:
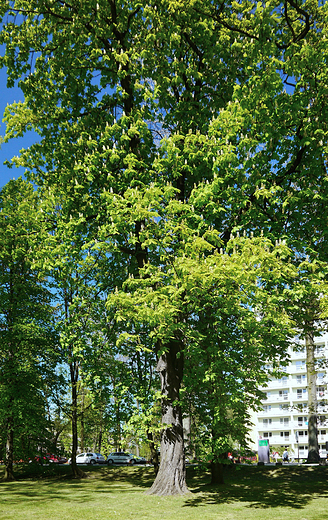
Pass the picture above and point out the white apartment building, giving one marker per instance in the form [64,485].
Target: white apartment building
[283,419]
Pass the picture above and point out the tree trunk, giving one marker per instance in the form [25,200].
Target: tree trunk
[77,472]
[9,473]
[187,434]
[100,439]
[313,452]
[82,420]
[171,477]
[55,438]
[217,472]
[153,451]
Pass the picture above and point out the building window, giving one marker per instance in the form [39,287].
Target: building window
[319,350]
[323,432]
[267,434]
[300,365]
[301,379]
[267,421]
[320,391]
[300,392]
[285,435]
[284,420]
[283,394]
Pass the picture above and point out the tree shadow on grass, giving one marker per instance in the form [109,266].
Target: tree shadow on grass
[254,487]
[263,487]
[63,486]
[140,477]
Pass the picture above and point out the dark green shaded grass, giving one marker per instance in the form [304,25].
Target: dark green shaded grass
[250,493]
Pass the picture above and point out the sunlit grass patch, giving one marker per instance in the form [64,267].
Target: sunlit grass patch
[250,493]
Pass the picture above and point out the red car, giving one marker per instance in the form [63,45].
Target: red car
[56,459]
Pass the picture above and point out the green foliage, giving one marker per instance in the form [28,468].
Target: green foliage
[163,129]
[29,349]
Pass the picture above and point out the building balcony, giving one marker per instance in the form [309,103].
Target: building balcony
[299,384]
[297,369]
[276,383]
[276,399]
[298,355]
[274,411]
[278,440]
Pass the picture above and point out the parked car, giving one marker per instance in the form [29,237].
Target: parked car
[139,460]
[89,458]
[40,460]
[120,457]
[56,459]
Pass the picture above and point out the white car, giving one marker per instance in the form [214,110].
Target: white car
[89,458]
[120,457]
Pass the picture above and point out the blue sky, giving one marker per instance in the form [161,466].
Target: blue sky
[8,150]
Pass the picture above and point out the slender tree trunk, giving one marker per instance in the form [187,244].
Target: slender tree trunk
[153,451]
[77,472]
[82,420]
[171,477]
[187,434]
[9,456]
[55,438]
[313,452]
[118,426]
[101,429]
[9,472]
[100,439]
[137,443]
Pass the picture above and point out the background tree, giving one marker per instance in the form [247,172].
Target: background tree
[29,348]
[307,311]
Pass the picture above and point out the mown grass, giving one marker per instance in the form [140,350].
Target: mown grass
[250,493]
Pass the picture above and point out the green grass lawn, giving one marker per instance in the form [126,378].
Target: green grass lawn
[250,493]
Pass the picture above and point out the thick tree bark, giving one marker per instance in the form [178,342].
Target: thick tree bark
[9,472]
[171,477]
[313,451]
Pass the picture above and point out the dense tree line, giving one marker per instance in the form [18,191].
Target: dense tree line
[180,146]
